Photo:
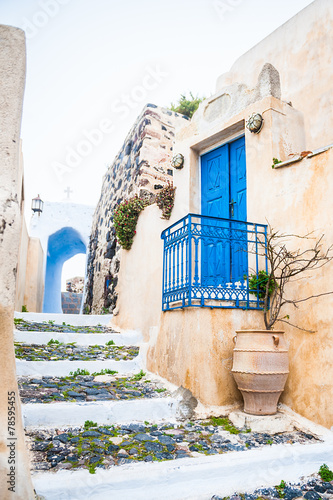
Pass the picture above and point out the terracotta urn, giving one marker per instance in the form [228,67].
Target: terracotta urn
[260,369]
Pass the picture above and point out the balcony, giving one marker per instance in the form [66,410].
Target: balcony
[207,262]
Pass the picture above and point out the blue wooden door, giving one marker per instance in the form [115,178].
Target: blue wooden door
[223,194]
[238,210]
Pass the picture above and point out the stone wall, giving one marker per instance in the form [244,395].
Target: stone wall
[141,167]
[75,285]
[71,302]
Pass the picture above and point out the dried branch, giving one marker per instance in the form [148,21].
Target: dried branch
[295,326]
[294,302]
[285,266]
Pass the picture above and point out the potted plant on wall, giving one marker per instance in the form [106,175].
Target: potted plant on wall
[260,360]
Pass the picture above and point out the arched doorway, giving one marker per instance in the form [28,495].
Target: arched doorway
[62,245]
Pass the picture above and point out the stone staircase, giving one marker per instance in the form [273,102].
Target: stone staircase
[98,426]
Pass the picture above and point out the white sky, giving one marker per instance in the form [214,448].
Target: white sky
[86,57]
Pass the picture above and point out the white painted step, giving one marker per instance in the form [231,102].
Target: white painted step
[188,478]
[130,337]
[63,368]
[103,412]
[70,319]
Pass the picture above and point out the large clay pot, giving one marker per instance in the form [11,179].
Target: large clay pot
[260,369]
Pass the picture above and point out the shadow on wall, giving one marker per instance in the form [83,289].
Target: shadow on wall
[62,245]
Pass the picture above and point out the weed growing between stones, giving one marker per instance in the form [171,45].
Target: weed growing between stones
[89,423]
[225,423]
[139,375]
[280,488]
[325,473]
[104,371]
[52,341]
[78,372]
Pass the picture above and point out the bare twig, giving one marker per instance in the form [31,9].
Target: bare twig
[295,326]
[285,266]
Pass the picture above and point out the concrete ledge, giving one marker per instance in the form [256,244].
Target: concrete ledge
[189,478]
[71,319]
[272,424]
[130,337]
[286,163]
[103,412]
[63,368]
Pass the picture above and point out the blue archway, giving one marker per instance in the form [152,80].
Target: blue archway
[62,245]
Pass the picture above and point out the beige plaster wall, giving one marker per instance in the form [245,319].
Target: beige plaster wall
[34,281]
[140,277]
[21,267]
[194,347]
[12,80]
[301,51]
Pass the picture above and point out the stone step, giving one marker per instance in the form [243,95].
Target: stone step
[56,351]
[90,387]
[63,368]
[189,478]
[73,319]
[130,337]
[61,415]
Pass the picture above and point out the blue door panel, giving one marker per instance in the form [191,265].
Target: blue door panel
[223,194]
[238,179]
[215,182]
[239,261]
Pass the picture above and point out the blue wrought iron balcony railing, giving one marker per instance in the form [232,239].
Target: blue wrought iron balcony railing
[207,262]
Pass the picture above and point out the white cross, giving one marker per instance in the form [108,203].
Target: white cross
[68,191]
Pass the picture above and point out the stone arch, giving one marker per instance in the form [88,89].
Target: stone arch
[62,245]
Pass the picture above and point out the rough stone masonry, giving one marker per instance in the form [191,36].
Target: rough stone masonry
[141,167]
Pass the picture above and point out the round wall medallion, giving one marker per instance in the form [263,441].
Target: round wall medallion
[178,161]
[255,123]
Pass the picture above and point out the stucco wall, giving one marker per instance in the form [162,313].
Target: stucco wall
[142,167]
[194,347]
[34,279]
[301,51]
[21,267]
[12,80]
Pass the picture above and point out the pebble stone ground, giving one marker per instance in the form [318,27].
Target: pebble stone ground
[88,388]
[310,488]
[106,446]
[58,351]
[50,326]
[102,446]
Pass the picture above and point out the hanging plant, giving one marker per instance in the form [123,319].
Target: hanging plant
[165,200]
[125,219]
[261,283]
